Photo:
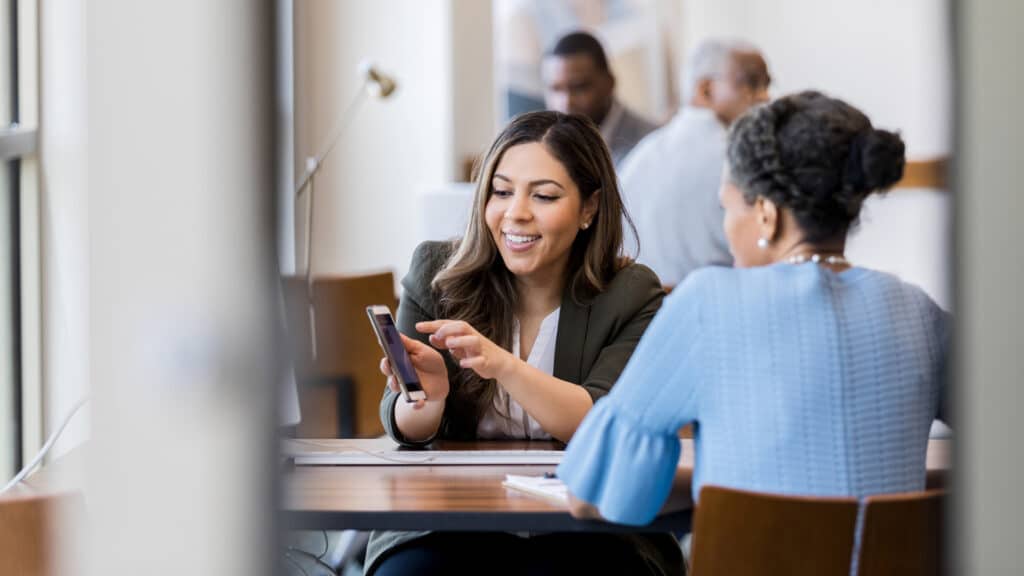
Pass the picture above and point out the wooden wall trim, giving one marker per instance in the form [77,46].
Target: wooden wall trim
[930,173]
[925,174]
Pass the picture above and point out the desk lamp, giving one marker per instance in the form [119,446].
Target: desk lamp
[374,83]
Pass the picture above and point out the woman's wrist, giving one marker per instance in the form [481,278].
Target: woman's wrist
[419,424]
[509,367]
[435,400]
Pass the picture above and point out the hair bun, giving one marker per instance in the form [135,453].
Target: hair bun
[877,158]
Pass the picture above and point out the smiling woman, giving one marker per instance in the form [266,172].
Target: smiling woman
[538,312]
[546,226]
[534,214]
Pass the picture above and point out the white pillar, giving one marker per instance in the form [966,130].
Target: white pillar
[990,280]
[181,256]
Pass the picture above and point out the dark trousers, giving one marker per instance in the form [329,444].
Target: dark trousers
[502,554]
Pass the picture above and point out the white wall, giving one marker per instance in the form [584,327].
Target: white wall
[474,119]
[392,149]
[396,150]
[893,61]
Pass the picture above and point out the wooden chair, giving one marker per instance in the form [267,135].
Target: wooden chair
[30,528]
[739,533]
[902,535]
[340,389]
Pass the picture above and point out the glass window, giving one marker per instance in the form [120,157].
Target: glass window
[8,55]
[10,301]
[9,305]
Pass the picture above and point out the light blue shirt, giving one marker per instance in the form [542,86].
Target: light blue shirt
[670,187]
[798,380]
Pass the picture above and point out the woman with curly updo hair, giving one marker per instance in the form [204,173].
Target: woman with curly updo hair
[801,372]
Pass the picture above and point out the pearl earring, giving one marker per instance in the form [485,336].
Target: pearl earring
[585,225]
[762,242]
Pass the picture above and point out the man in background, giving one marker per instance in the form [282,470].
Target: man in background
[577,80]
[670,181]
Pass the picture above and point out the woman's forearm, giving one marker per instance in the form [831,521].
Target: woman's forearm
[678,499]
[681,495]
[558,406]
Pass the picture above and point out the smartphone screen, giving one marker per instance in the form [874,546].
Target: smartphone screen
[395,352]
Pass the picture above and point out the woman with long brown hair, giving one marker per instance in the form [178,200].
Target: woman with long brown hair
[515,331]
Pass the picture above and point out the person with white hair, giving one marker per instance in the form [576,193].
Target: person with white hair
[671,178]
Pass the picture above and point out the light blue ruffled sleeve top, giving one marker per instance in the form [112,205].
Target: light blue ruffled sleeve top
[798,379]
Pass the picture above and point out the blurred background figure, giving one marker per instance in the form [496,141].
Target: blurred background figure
[640,39]
[670,181]
[577,80]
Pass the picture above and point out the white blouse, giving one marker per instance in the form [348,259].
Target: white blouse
[519,425]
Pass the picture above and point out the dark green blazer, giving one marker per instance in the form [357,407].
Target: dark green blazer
[595,338]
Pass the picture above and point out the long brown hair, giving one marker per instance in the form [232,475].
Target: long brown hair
[476,287]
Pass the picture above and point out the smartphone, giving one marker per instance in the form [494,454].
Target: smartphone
[401,365]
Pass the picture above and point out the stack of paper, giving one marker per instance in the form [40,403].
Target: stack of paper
[545,487]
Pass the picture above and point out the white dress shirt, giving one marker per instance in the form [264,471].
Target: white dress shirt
[519,425]
[670,187]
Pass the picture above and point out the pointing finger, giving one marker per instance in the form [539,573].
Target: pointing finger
[431,326]
[471,342]
[457,328]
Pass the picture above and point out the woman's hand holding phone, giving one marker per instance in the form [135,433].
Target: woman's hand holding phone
[472,349]
[429,367]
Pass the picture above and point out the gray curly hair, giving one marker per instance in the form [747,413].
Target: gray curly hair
[817,156]
[710,59]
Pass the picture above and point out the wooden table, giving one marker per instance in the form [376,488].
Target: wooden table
[445,497]
[463,498]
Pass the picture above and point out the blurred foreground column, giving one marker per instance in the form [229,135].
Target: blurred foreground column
[180,164]
[988,526]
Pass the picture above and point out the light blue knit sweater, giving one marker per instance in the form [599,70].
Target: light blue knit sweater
[799,380]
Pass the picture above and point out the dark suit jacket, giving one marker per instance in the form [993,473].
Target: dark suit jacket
[630,130]
[595,339]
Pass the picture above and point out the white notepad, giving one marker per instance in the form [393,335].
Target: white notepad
[548,488]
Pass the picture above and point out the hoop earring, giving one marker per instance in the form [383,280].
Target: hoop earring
[762,243]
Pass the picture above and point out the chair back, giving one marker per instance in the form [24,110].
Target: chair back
[742,533]
[29,530]
[341,386]
[902,535]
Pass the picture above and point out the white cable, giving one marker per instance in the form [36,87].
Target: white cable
[335,447]
[46,447]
